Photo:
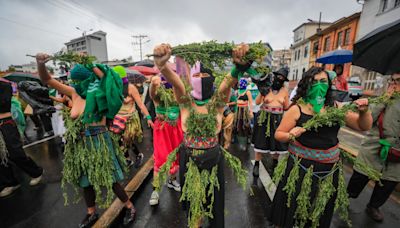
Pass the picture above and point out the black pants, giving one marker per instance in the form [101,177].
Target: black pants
[208,160]
[16,155]
[90,196]
[380,193]
[44,122]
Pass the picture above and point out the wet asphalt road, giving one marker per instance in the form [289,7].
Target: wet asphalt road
[43,205]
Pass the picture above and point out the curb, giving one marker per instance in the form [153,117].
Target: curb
[116,207]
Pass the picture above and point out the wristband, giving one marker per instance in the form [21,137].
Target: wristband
[148,117]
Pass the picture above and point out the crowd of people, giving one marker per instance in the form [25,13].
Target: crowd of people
[195,123]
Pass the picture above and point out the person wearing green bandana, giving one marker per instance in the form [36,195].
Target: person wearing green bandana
[310,179]
[96,94]
[201,158]
[380,149]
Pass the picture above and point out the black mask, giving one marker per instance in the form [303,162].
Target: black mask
[277,83]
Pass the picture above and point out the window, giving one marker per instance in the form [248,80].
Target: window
[315,47]
[305,51]
[327,43]
[347,36]
[384,5]
[339,41]
[297,71]
[396,3]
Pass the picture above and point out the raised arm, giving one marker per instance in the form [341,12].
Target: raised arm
[232,78]
[162,53]
[46,78]
[361,121]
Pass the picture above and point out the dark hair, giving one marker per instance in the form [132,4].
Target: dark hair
[306,82]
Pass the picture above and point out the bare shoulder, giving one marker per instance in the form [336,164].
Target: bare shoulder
[293,111]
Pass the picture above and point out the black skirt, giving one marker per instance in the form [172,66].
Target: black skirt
[282,216]
[242,122]
[261,142]
[212,156]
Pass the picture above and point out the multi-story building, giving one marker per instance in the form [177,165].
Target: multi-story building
[301,47]
[340,34]
[374,14]
[93,44]
[29,68]
[281,58]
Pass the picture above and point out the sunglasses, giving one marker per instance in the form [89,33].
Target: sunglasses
[393,80]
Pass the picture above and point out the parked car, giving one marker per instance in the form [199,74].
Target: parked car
[355,88]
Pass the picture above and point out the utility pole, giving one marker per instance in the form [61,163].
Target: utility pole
[140,43]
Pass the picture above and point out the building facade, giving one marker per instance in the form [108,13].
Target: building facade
[94,44]
[340,34]
[281,58]
[374,14]
[300,48]
[28,68]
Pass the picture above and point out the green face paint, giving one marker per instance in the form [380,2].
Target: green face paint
[316,95]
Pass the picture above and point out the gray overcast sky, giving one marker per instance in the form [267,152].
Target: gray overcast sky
[31,26]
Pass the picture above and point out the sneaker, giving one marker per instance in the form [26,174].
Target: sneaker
[154,198]
[129,162]
[36,181]
[374,213]
[89,220]
[174,184]
[130,215]
[139,160]
[8,190]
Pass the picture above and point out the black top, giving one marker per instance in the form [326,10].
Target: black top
[322,138]
[5,97]
[243,97]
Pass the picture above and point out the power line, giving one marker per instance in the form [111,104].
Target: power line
[140,43]
[32,27]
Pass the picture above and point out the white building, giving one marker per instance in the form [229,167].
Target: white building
[375,13]
[301,47]
[93,44]
[29,67]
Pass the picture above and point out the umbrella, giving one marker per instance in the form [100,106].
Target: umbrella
[20,76]
[379,50]
[338,56]
[146,62]
[145,70]
[135,77]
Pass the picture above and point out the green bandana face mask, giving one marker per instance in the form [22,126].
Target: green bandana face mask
[316,95]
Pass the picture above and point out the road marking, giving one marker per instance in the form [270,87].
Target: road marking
[352,132]
[266,181]
[39,141]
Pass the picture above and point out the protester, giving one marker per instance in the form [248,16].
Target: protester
[381,151]
[244,114]
[314,155]
[273,103]
[201,114]
[89,151]
[167,132]
[126,123]
[11,147]
[341,81]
